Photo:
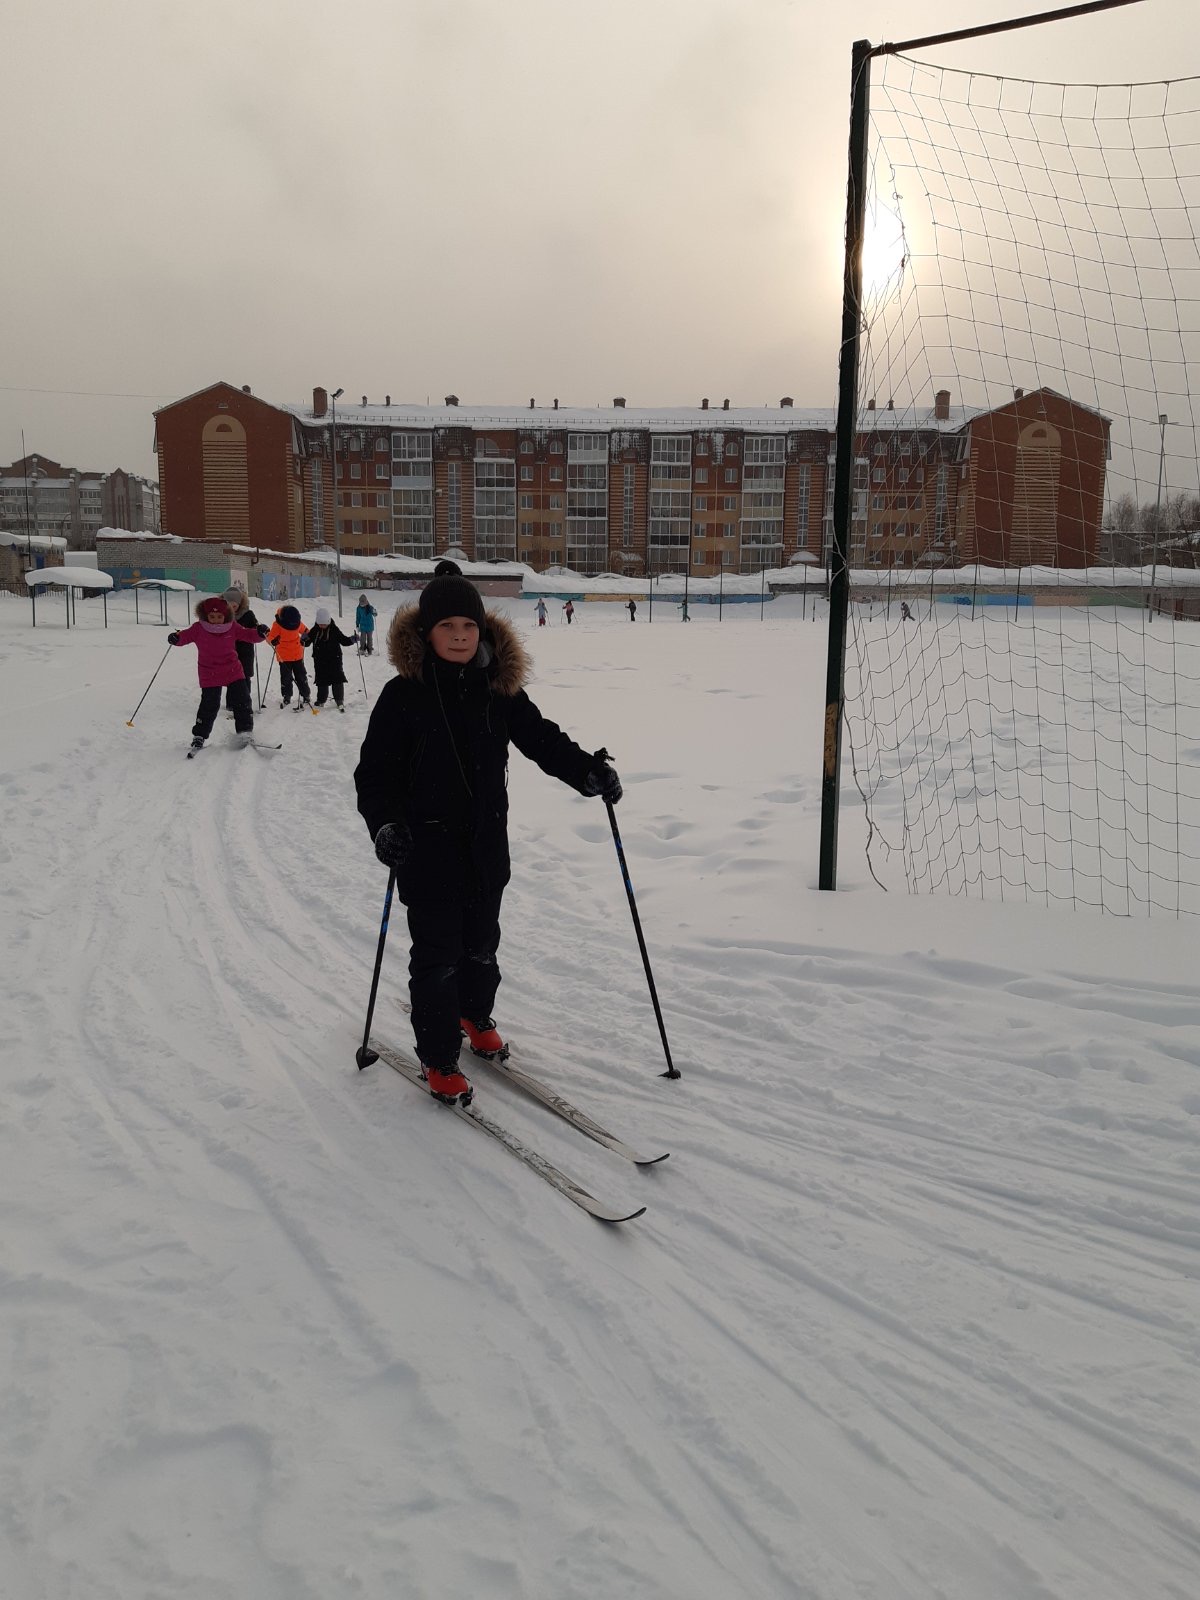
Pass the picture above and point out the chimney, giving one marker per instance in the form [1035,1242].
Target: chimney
[387,399]
[245,388]
[556,402]
[320,402]
[619,402]
[871,403]
[364,400]
[531,402]
[724,405]
[941,405]
[451,399]
[1018,393]
[786,401]
[704,405]
[891,405]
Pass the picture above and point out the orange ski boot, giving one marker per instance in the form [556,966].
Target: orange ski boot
[448,1085]
[484,1039]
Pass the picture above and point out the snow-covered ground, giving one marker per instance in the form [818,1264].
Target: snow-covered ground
[914,1310]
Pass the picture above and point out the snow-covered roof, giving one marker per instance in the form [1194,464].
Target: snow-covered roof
[399,566]
[34,541]
[664,419]
[126,533]
[69,578]
[162,583]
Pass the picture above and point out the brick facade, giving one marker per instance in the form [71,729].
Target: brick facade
[633,491]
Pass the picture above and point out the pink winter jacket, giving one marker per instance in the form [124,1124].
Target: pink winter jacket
[216,647]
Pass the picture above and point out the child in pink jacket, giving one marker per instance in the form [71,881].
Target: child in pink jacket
[215,636]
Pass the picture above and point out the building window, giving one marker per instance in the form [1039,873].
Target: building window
[454,501]
[526,474]
[556,447]
[526,502]
[730,474]
[556,475]
[356,499]
[764,449]
[382,472]
[701,474]
[729,502]
[587,446]
[671,448]
[701,503]
[803,476]
[527,530]
[556,502]
[317,495]
[526,447]
[355,469]
[495,509]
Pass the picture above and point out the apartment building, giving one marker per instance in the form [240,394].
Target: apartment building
[615,488]
[41,497]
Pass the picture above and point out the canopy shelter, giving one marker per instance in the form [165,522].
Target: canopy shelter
[164,586]
[71,580]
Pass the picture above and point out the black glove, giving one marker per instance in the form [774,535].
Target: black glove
[393,844]
[262,630]
[603,780]
[172,638]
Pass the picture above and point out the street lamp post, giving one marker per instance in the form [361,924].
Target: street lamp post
[1162,457]
[337,531]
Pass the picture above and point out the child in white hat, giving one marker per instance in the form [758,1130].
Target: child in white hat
[327,639]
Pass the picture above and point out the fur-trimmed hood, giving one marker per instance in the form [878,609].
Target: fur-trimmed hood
[510,667]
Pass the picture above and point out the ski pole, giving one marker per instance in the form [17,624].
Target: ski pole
[672,1070]
[365,1057]
[149,686]
[267,685]
[256,676]
[363,670]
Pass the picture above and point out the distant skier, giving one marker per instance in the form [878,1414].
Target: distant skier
[216,637]
[683,606]
[631,607]
[326,640]
[432,789]
[569,610]
[905,614]
[287,635]
[364,626]
[540,608]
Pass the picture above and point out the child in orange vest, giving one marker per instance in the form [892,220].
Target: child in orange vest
[287,636]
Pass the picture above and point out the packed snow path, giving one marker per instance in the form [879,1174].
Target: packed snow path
[914,1309]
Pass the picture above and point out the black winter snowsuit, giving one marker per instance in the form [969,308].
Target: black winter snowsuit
[327,642]
[436,758]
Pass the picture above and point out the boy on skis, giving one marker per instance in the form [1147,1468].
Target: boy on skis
[287,635]
[216,636]
[432,789]
[326,640]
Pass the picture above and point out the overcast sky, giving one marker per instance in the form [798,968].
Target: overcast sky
[504,200]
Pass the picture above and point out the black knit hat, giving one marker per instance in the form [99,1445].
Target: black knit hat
[448,594]
[288,616]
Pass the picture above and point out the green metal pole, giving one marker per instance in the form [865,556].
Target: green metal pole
[843,484]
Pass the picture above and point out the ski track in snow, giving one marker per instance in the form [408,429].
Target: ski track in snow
[914,1310]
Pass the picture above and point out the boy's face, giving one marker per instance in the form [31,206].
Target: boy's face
[455,639]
